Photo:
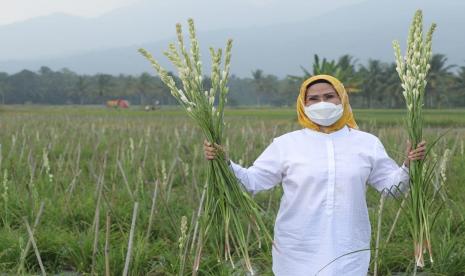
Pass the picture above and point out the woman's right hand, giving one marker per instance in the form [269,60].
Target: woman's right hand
[211,150]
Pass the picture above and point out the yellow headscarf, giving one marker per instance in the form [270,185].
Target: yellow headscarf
[347,116]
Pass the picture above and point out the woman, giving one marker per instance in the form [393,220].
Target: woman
[323,168]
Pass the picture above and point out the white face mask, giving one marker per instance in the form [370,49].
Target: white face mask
[324,113]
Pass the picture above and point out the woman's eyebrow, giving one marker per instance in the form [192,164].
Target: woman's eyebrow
[330,92]
[324,94]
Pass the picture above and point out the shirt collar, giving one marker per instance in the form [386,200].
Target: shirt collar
[338,133]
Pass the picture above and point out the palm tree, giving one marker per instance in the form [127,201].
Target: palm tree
[392,87]
[343,69]
[81,89]
[103,83]
[258,82]
[438,77]
[265,86]
[371,86]
[458,87]
[3,85]
[144,87]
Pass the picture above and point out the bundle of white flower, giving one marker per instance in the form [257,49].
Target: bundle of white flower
[227,206]
[413,69]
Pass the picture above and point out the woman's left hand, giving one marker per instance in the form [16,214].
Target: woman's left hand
[416,154]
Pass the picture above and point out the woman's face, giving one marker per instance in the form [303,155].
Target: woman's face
[321,92]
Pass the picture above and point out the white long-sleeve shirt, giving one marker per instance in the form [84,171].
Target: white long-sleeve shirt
[323,213]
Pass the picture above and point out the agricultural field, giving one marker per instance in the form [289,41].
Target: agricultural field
[110,192]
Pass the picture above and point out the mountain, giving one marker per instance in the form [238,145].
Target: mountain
[364,30]
[59,35]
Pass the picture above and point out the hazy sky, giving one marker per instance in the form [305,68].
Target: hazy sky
[18,10]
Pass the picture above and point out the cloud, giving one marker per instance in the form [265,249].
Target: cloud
[19,10]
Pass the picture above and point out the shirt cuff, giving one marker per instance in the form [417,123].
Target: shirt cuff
[235,168]
[231,164]
[404,177]
[404,168]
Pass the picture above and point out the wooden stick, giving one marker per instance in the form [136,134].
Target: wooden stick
[396,218]
[378,232]
[131,237]
[198,254]
[107,245]
[96,225]
[72,185]
[34,245]
[197,219]
[28,245]
[170,178]
[125,180]
[152,210]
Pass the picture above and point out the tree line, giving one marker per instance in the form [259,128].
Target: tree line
[371,85]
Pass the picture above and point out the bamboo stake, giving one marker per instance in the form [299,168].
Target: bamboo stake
[34,245]
[96,226]
[378,232]
[28,244]
[131,237]
[152,210]
[107,245]
[96,223]
[125,180]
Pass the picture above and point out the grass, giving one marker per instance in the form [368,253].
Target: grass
[380,117]
[163,146]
